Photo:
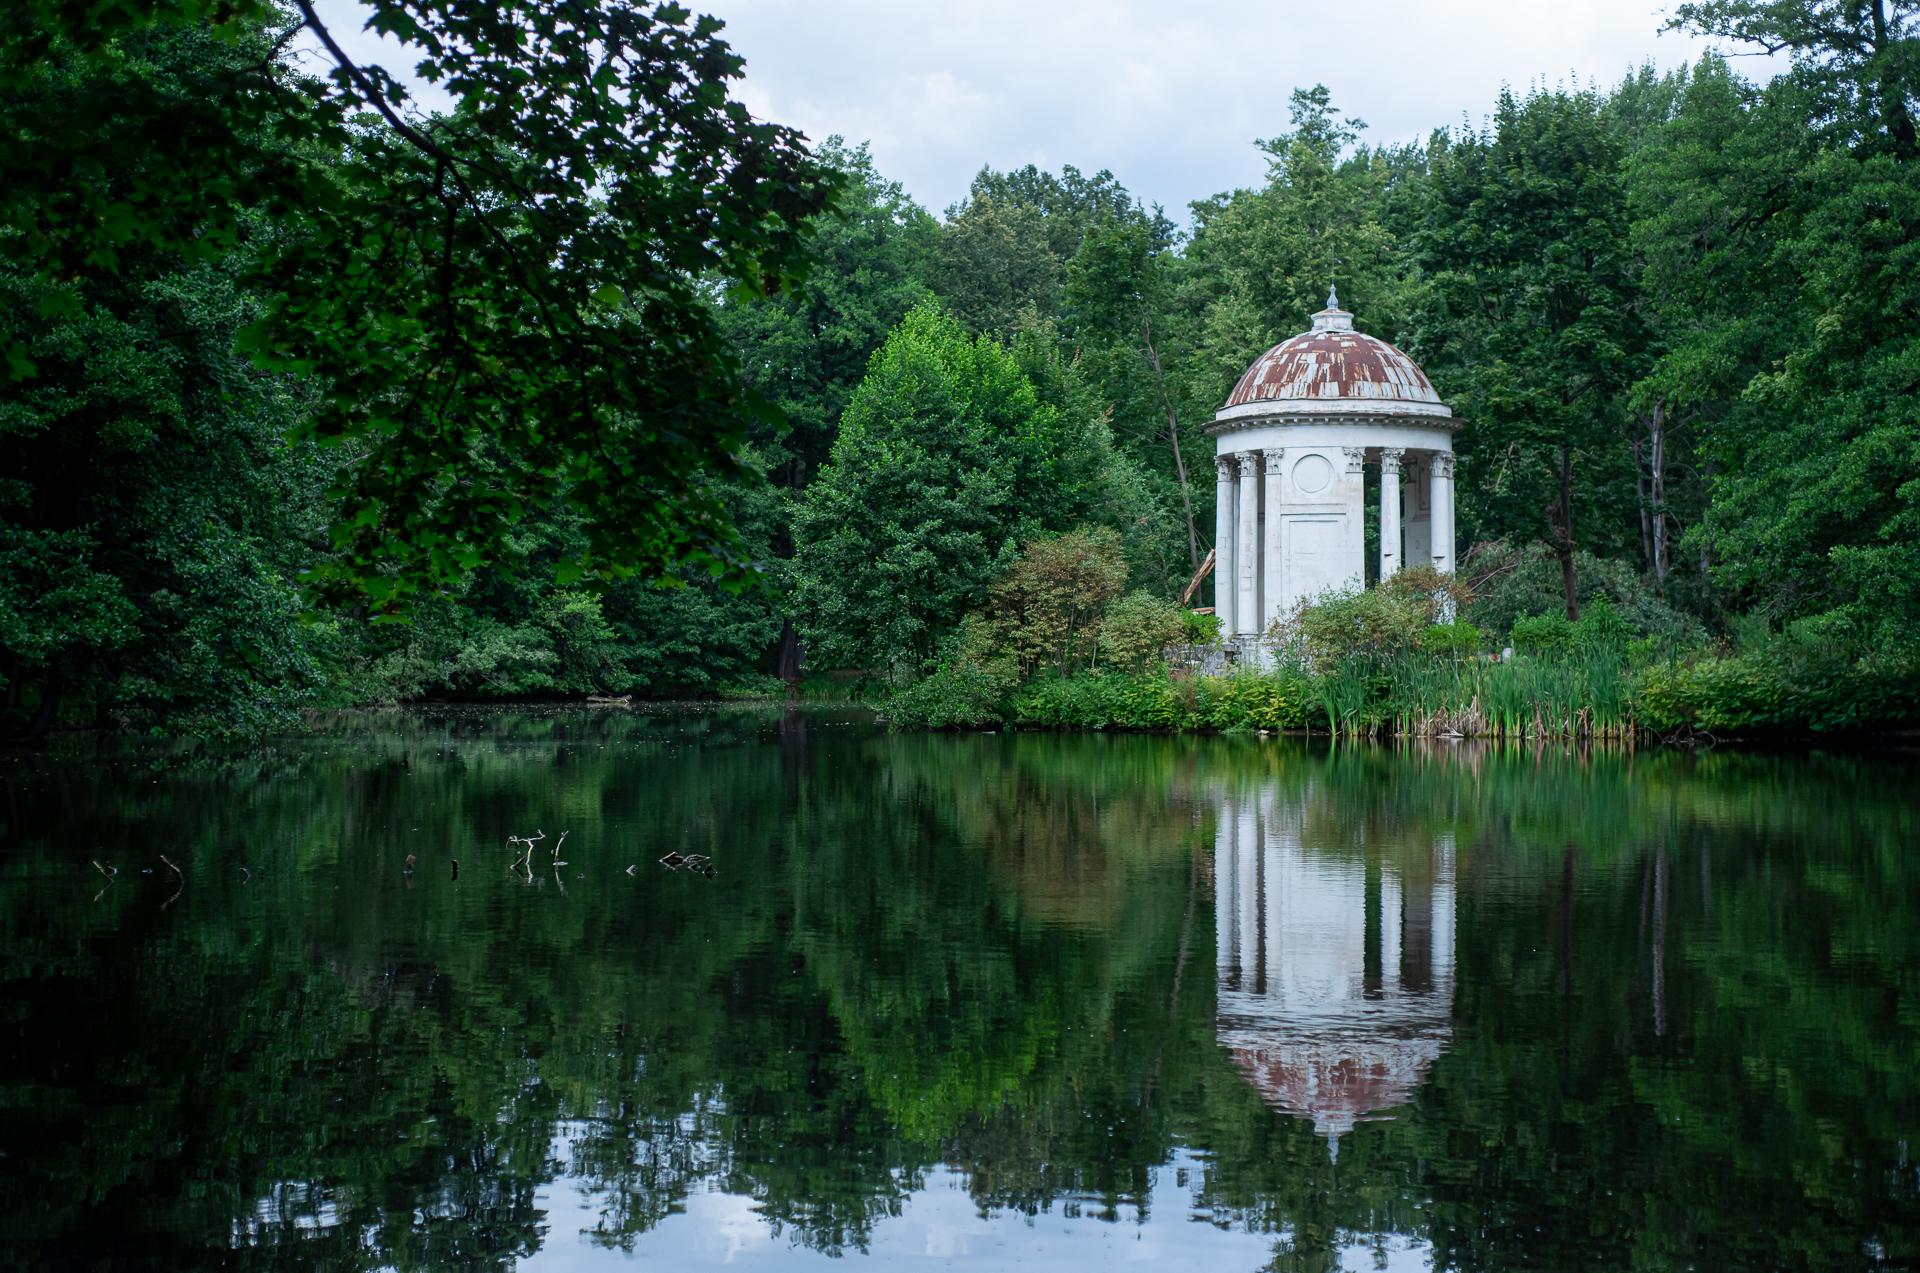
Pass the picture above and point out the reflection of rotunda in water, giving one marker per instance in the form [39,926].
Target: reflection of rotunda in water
[1334,960]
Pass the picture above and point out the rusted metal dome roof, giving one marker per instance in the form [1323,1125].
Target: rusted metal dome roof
[1335,363]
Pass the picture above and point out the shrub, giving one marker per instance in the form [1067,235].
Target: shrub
[1048,608]
[960,694]
[586,649]
[1515,582]
[751,687]
[1199,629]
[1458,639]
[1137,628]
[1542,634]
[1151,700]
[1435,595]
[1334,628]
[1283,699]
[1601,627]
[1799,681]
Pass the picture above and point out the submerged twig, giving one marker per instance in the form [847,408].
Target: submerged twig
[109,870]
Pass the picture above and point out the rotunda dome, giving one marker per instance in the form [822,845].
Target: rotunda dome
[1333,368]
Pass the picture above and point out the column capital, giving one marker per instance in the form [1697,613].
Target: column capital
[1275,455]
[1356,458]
[1390,457]
[1223,466]
[1443,464]
[1248,460]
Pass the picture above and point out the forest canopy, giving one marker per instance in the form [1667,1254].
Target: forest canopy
[314,398]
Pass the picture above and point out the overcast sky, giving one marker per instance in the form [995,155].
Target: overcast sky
[1170,96]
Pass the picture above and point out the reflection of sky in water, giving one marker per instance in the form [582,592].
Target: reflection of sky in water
[941,1227]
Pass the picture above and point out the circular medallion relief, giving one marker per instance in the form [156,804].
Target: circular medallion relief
[1312,474]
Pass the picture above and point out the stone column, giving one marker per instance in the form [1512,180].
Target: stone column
[1270,542]
[1440,505]
[1390,559]
[1353,493]
[1223,532]
[1246,548]
[1415,525]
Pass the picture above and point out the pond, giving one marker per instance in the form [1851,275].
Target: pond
[1017,1000]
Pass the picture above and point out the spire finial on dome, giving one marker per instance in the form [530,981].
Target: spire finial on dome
[1333,318]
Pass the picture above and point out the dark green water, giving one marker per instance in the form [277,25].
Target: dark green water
[1005,1001]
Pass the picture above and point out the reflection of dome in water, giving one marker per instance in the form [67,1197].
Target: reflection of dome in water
[1337,1082]
[1335,974]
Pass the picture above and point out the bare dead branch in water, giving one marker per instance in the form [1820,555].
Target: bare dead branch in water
[108,871]
[183,881]
[526,859]
[556,848]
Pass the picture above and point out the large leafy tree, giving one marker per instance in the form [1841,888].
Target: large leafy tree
[1784,224]
[1005,249]
[498,308]
[154,510]
[1694,187]
[1119,310]
[1262,259]
[1863,56]
[805,348]
[1529,317]
[948,455]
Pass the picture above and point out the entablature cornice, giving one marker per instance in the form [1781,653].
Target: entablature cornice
[1426,415]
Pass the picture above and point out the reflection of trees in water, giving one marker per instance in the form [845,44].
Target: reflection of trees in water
[1675,993]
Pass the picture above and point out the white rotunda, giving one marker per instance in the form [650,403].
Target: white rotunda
[1292,443]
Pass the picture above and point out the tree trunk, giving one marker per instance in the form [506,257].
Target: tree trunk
[1646,502]
[1893,92]
[791,652]
[1657,485]
[1650,479]
[1563,532]
[1173,436]
[49,710]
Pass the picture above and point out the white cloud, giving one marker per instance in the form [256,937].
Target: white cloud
[1171,98]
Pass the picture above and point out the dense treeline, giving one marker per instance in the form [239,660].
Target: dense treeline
[1678,318]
